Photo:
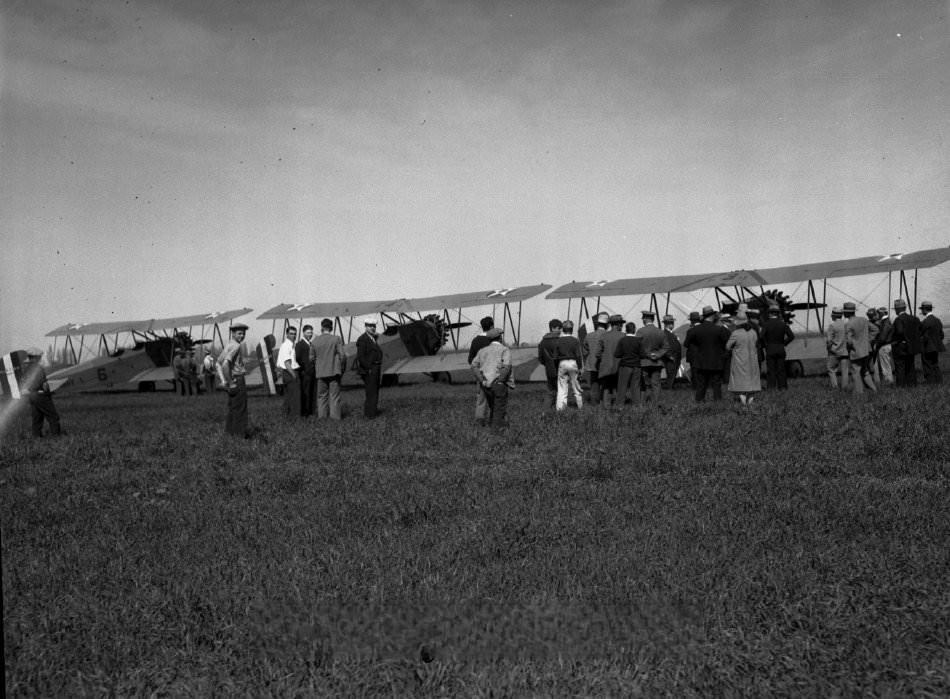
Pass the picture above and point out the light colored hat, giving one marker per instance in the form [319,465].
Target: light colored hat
[602,318]
[34,352]
[836,311]
[238,326]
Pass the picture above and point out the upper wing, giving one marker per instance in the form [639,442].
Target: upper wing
[143,326]
[874,264]
[416,305]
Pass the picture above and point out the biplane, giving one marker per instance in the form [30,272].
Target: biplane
[421,334]
[749,287]
[131,354]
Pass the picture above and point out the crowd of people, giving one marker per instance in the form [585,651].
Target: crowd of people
[622,365]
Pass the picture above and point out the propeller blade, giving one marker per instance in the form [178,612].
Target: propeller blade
[456,326]
[805,306]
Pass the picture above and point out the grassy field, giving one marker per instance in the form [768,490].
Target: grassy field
[802,549]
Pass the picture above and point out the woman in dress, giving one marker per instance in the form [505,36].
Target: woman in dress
[745,380]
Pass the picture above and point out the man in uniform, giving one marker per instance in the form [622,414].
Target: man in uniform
[231,365]
[36,388]
[287,361]
[547,357]
[328,362]
[369,365]
[709,339]
[654,348]
[836,342]
[672,359]
[775,336]
[931,335]
[593,349]
[905,344]
[303,355]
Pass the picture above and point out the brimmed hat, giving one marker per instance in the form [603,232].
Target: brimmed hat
[836,311]
[882,311]
[615,319]
[899,303]
[708,311]
[647,314]
[369,323]
[669,319]
[926,306]
[493,333]
[602,318]
[849,308]
[238,326]
[34,352]
[871,312]
[694,316]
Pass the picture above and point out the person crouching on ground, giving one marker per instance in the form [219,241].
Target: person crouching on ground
[569,362]
[493,370]
[37,389]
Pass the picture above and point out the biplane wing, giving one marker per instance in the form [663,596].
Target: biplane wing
[874,264]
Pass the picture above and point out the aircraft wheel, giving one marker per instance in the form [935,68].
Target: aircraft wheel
[390,380]
[795,370]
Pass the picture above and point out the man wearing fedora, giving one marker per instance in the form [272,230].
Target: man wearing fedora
[905,344]
[36,388]
[231,366]
[369,365]
[931,335]
[690,352]
[775,334]
[654,348]
[672,359]
[709,340]
[859,334]
[592,352]
[609,364]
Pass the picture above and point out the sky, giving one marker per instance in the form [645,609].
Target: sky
[170,157]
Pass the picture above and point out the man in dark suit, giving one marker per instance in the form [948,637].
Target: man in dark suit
[672,359]
[609,364]
[690,352]
[709,340]
[653,350]
[369,363]
[548,358]
[905,344]
[593,349]
[774,336]
[307,378]
[931,335]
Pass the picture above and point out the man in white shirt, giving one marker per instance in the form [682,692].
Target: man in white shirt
[287,361]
